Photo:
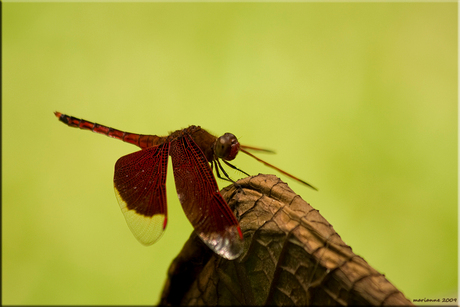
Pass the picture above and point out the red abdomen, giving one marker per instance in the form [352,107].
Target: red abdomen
[141,140]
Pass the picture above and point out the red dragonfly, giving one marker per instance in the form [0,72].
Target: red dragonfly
[140,182]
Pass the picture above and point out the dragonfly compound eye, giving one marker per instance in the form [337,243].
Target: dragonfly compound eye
[227,147]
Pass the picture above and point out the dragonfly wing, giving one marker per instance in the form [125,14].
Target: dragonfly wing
[140,187]
[201,200]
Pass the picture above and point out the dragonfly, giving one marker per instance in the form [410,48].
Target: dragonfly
[140,182]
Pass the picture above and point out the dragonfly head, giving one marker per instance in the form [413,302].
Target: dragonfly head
[226,147]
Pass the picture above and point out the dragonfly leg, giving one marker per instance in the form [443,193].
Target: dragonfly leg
[218,165]
[234,167]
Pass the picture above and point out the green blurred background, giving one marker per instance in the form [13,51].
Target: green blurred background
[358,99]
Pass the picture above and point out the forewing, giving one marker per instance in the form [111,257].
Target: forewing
[140,187]
[201,200]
